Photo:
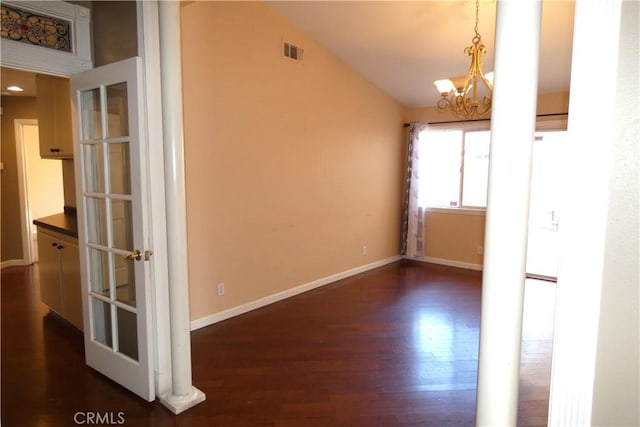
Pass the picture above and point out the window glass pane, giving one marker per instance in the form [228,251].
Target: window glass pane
[125,280]
[127,333]
[476,169]
[93,168]
[440,157]
[96,220]
[117,114]
[101,322]
[119,168]
[122,225]
[91,114]
[99,271]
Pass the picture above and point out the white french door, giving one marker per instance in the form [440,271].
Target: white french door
[112,215]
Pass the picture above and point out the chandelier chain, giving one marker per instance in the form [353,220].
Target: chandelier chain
[476,26]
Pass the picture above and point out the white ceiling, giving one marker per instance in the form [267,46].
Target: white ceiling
[403,46]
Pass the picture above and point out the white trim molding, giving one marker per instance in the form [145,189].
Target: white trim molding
[447,262]
[35,58]
[262,302]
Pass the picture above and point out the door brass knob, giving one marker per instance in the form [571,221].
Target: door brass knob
[137,255]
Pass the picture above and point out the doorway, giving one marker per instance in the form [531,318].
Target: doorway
[42,185]
[544,212]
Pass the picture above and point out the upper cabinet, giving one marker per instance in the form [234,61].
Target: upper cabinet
[54,117]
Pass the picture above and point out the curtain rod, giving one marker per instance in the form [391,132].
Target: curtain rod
[483,120]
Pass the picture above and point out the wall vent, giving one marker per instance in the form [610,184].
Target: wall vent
[292,51]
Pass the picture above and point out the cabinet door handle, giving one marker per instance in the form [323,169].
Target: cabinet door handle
[60,247]
[54,244]
[54,150]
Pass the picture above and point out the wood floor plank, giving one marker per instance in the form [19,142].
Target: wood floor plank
[396,346]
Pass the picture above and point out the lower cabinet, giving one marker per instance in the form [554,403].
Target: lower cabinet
[60,283]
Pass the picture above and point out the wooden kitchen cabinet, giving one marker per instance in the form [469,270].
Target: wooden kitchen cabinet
[53,100]
[60,283]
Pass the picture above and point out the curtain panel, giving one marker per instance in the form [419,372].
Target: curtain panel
[412,244]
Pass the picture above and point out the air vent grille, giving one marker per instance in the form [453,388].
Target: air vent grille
[292,51]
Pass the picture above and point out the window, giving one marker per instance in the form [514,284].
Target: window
[454,168]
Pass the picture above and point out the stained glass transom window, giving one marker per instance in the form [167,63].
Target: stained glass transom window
[35,29]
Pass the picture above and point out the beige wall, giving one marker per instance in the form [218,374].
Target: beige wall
[13,107]
[617,371]
[291,168]
[454,236]
[440,228]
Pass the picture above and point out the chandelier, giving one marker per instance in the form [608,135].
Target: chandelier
[468,96]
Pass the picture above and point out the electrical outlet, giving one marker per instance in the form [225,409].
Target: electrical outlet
[220,289]
[479,249]
[364,250]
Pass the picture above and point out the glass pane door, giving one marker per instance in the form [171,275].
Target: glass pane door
[105,144]
[111,215]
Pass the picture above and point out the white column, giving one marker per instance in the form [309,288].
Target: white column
[149,49]
[183,395]
[512,133]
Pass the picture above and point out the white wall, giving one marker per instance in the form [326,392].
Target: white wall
[594,377]
[616,397]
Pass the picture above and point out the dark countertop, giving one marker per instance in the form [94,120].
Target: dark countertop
[65,223]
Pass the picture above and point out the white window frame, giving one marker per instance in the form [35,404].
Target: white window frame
[543,123]
[475,126]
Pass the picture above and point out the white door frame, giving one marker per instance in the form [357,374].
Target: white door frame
[23,190]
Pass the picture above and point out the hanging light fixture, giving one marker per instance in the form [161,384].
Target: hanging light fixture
[468,96]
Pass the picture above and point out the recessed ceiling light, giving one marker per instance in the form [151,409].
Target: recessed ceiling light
[15,89]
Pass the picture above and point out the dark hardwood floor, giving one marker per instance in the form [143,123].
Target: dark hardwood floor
[396,346]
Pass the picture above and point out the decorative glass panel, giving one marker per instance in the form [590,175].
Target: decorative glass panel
[120,168]
[93,168]
[101,322]
[99,271]
[117,113]
[127,333]
[33,28]
[91,114]
[96,221]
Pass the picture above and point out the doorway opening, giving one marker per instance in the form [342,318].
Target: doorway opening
[41,183]
[544,210]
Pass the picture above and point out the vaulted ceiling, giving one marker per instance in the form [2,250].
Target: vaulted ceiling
[403,46]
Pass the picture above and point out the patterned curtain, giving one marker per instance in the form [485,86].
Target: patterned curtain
[412,244]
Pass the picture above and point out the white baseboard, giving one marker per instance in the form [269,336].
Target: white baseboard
[13,263]
[244,308]
[449,263]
